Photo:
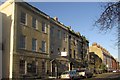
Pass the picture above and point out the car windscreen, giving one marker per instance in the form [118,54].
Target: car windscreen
[65,72]
[80,70]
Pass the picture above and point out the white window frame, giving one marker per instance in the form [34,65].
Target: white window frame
[36,67]
[25,67]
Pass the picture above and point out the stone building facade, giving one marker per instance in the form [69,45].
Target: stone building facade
[107,59]
[36,45]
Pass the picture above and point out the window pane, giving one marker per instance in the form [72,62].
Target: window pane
[22,66]
[52,31]
[34,44]
[59,34]
[23,18]
[31,67]
[22,41]
[43,46]
[44,27]
[34,22]
[65,37]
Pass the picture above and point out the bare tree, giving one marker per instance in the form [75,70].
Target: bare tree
[110,18]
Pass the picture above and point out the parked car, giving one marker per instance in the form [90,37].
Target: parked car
[116,71]
[72,74]
[98,71]
[85,73]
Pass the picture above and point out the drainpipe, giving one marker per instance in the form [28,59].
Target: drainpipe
[12,41]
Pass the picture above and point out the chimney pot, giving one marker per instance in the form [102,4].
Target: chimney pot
[55,18]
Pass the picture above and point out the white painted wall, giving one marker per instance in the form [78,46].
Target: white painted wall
[7,11]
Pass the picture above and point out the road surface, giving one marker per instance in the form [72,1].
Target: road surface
[105,76]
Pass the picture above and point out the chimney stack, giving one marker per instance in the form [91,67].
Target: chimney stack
[55,18]
[94,44]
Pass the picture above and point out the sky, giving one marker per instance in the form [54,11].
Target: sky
[81,16]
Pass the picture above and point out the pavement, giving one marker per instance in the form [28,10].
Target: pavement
[103,76]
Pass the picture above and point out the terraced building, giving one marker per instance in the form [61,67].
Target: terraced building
[36,45]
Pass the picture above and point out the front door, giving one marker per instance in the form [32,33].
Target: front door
[71,66]
[54,69]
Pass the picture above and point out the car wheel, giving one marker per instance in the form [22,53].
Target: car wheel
[90,76]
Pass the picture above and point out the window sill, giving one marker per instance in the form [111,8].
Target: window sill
[40,52]
[23,24]
[43,52]
[36,52]
[65,41]
[22,74]
[22,48]
[44,32]
[36,29]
